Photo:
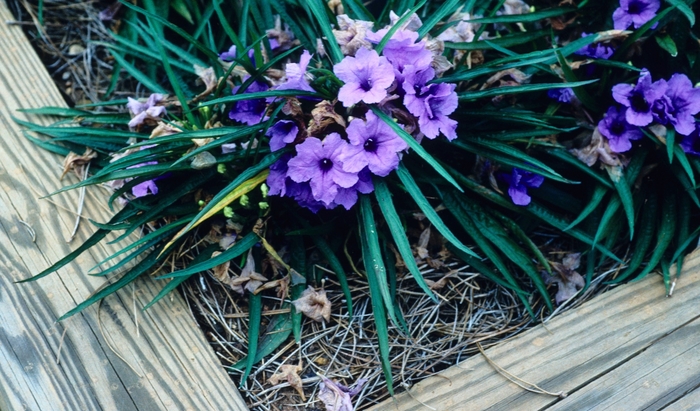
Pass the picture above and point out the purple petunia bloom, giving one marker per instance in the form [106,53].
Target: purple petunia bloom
[416,88]
[640,99]
[282,133]
[318,162]
[373,144]
[562,95]
[147,187]
[519,181]
[431,103]
[403,50]
[145,111]
[634,13]
[277,180]
[366,77]
[250,112]
[678,106]
[230,54]
[618,131]
[296,75]
[347,197]
[691,143]
[595,50]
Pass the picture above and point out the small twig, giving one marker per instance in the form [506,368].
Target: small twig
[81,202]
[60,345]
[518,381]
[30,230]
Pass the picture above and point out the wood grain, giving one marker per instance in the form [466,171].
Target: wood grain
[631,347]
[112,358]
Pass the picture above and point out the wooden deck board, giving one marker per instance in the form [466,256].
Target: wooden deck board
[114,358]
[622,344]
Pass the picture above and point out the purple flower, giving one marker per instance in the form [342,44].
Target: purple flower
[145,111]
[691,143]
[231,54]
[277,180]
[250,112]
[519,181]
[282,133]
[144,189]
[402,50]
[438,104]
[679,105]
[431,103]
[366,77]
[639,99]
[319,163]
[373,144]
[415,88]
[296,75]
[562,95]
[147,187]
[347,197]
[618,131]
[595,50]
[634,12]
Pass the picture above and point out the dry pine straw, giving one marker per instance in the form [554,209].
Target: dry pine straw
[471,310]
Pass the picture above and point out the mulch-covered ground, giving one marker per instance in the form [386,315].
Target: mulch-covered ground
[471,309]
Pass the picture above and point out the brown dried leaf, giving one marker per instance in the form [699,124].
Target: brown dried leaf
[164,129]
[323,116]
[568,281]
[290,373]
[421,246]
[518,77]
[248,280]
[208,78]
[221,270]
[77,163]
[314,304]
[597,149]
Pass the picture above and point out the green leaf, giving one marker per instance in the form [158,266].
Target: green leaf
[508,40]
[415,146]
[573,161]
[685,9]
[667,228]
[390,33]
[598,193]
[254,318]
[432,216]
[645,236]
[138,75]
[524,18]
[623,190]
[666,42]
[502,91]
[318,10]
[275,335]
[101,233]
[446,9]
[150,261]
[181,8]
[386,204]
[337,268]
[608,216]
[670,141]
[378,310]
[238,248]
[375,264]
[580,92]
[452,204]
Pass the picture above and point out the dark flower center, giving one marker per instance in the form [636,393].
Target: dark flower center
[635,8]
[617,128]
[366,84]
[326,164]
[371,145]
[639,103]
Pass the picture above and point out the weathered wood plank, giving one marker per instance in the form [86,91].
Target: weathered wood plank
[113,358]
[652,380]
[574,350]
[690,401]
